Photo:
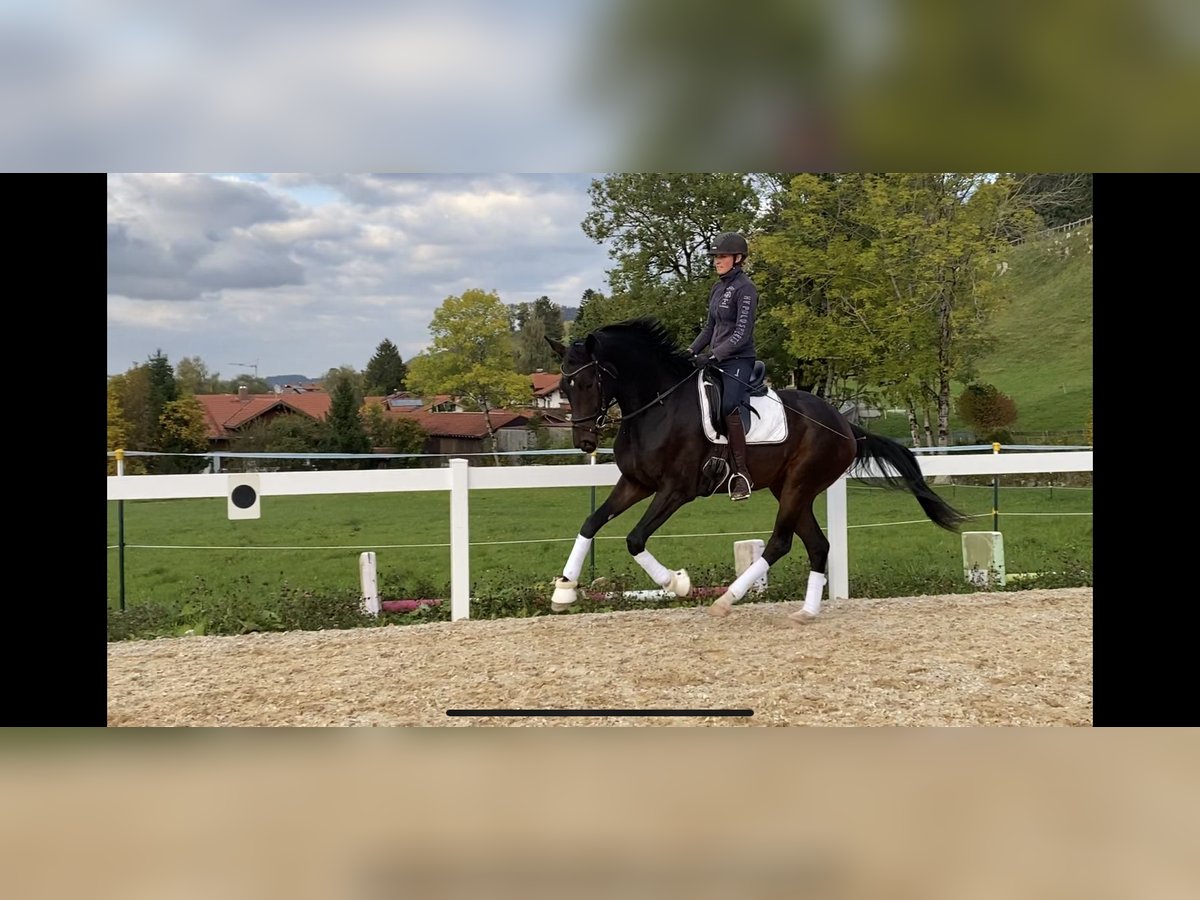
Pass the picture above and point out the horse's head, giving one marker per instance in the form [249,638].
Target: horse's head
[589,385]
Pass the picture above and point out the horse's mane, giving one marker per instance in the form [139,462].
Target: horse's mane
[645,338]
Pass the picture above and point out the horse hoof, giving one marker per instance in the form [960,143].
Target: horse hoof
[803,616]
[681,583]
[564,594]
[721,607]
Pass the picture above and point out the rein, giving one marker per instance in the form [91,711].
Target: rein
[660,397]
[602,416]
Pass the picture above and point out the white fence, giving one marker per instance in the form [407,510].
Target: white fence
[460,479]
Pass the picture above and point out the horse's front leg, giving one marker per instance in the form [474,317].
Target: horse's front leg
[664,505]
[625,493]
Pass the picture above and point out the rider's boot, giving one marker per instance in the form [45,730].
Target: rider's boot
[739,481]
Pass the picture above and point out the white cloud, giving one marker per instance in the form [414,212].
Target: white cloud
[242,267]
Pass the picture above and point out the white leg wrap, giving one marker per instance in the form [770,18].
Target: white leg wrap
[656,570]
[757,570]
[816,587]
[575,561]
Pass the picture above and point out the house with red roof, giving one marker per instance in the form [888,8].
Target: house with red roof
[449,432]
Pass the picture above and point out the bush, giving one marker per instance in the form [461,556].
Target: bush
[985,408]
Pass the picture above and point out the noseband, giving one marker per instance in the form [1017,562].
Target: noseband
[601,418]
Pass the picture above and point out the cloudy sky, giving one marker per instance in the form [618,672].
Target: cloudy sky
[302,273]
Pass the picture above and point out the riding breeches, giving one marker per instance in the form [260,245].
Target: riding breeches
[735,390]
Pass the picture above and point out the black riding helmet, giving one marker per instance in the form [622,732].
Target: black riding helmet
[729,242]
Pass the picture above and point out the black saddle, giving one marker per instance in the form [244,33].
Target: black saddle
[712,390]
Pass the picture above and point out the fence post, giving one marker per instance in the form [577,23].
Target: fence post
[838,567]
[369,581]
[996,492]
[460,541]
[592,549]
[120,455]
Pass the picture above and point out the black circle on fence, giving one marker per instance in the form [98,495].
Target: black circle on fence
[243,496]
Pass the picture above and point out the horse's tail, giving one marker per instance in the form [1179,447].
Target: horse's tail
[873,447]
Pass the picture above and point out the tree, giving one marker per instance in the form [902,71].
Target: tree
[533,323]
[470,356]
[132,390]
[182,429]
[252,386]
[284,433]
[163,388]
[596,309]
[660,228]
[345,432]
[192,377]
[398,434]
[344,373]
[1058,198]
[116,426]
[386,372]
[887,279]
[986,408]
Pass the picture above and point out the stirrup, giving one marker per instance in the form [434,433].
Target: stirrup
[739,494]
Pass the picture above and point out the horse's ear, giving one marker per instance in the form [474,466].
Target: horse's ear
[558,348]
[589,344]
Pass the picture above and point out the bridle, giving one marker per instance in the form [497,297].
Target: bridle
[601,418]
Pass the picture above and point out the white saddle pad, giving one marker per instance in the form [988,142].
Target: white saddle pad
[768,427]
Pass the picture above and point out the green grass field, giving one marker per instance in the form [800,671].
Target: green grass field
[1043,356]
[523,537]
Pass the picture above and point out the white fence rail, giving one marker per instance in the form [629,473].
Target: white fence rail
[460,479]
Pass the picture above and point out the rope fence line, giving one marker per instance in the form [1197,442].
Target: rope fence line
[959,448]
[607,537]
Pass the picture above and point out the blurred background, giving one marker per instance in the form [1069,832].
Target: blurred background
[815,85]
[936,814]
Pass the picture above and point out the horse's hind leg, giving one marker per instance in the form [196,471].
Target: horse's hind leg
[777,547]
[625,493]
[817,545]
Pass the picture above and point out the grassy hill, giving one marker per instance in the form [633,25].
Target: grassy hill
[1042,357]
[1043,353]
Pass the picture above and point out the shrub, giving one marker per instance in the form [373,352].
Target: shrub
[985,408]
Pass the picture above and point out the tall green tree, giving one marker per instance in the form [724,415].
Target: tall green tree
[532,324]
[597,309]
[887,279]
[386,372]
[117,429]
[398,434]
[232,386]
[162,389]
[192,377]
[344,373]
[132,389]
[470,356]
[660,227]
[345,432]
[182,429]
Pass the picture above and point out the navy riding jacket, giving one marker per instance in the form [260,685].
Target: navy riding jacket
[732,305]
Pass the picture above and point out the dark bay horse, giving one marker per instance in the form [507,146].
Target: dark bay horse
[661,448]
